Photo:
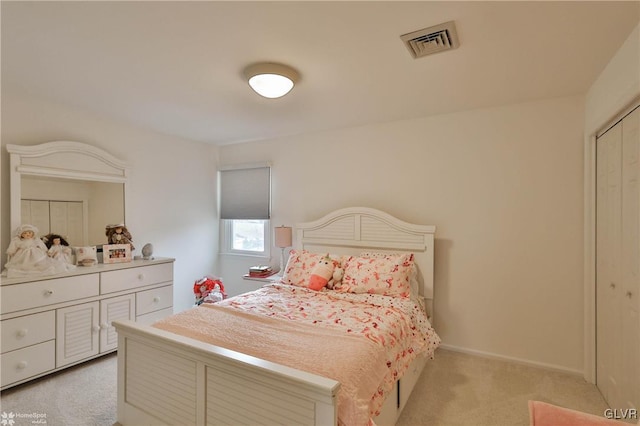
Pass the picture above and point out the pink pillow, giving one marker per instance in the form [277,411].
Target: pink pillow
[388,275]
[299,266]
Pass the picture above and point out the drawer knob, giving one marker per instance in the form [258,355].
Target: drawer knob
[48,292]
[105,325]
[22,332]
[95,328]
[22,365]
[141,277]
[156,299]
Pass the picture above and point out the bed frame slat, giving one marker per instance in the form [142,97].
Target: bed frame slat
[263,405]
[147,369]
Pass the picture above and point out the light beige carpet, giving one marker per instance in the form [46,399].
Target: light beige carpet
[454,390]
[457,389]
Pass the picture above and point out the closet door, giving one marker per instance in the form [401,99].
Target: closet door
[630,380]
[608,266]
[36,213]
[618,261]
[66,219]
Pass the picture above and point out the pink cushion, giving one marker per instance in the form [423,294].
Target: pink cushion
[543,414]
[299,266]
[388,275]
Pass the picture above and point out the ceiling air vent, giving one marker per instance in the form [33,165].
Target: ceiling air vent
[431,40]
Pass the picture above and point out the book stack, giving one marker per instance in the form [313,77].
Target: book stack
[261,271]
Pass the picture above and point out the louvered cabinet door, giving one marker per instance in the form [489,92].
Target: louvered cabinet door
[115,308]
[77,333]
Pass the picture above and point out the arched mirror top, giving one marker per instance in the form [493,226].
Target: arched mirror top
[66,159]
[77,172]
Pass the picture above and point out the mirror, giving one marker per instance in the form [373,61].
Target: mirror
[76,209]
[67,188]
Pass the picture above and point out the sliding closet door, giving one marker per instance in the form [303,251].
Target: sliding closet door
[618,261]
[630,308]
[608,267]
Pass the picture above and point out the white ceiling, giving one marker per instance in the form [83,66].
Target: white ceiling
[176,67]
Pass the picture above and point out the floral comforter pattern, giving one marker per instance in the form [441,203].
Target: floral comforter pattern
[399,325]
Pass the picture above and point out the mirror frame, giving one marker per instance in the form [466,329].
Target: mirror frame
[62,159]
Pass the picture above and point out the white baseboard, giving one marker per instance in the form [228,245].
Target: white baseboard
[530,363]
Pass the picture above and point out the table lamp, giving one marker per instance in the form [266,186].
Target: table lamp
[283,235]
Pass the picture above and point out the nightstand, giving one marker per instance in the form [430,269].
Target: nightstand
[250,284]
[269,279]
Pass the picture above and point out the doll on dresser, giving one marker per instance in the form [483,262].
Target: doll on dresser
[27,255]
[58,248]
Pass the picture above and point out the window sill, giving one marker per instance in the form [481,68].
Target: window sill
[249,255]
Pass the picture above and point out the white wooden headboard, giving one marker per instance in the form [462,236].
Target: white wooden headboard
[356,229]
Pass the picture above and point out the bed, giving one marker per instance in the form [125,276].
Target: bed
[242,367]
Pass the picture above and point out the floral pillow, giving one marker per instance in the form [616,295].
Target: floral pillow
[388,275]
[299,266]
[414,283]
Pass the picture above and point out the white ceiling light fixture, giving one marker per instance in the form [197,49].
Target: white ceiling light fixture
[271,80]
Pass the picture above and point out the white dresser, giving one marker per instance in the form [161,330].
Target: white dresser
[52,322]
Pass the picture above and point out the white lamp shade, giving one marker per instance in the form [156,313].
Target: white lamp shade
[271,80]
[283,236]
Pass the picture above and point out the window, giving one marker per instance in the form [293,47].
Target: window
[246,237]
[245,207]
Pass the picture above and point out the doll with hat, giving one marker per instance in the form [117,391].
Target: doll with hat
[27,255]
[118,234]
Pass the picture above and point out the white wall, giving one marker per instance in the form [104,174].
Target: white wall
[504,188]
[172,182]
[616,87]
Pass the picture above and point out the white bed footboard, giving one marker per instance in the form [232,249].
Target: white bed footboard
[168,379]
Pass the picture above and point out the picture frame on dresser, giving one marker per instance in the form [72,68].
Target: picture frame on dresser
[116,253]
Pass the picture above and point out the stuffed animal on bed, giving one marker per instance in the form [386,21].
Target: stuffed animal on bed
[325,274]
[336,281]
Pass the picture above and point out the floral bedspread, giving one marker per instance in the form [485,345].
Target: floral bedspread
[399,325]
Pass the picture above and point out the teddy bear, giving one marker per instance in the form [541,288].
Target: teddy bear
[118,234]
[325,273]
[336,280]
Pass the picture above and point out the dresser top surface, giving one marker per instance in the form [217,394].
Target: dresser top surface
[83,270]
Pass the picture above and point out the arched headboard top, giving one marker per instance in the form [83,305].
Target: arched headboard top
[353,230]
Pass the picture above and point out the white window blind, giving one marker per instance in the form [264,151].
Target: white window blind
[245,193]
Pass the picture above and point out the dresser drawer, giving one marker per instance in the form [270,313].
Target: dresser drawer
[27,330]
[154,300]
[126,279]
[27,362]
[47,292]
[150,318]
